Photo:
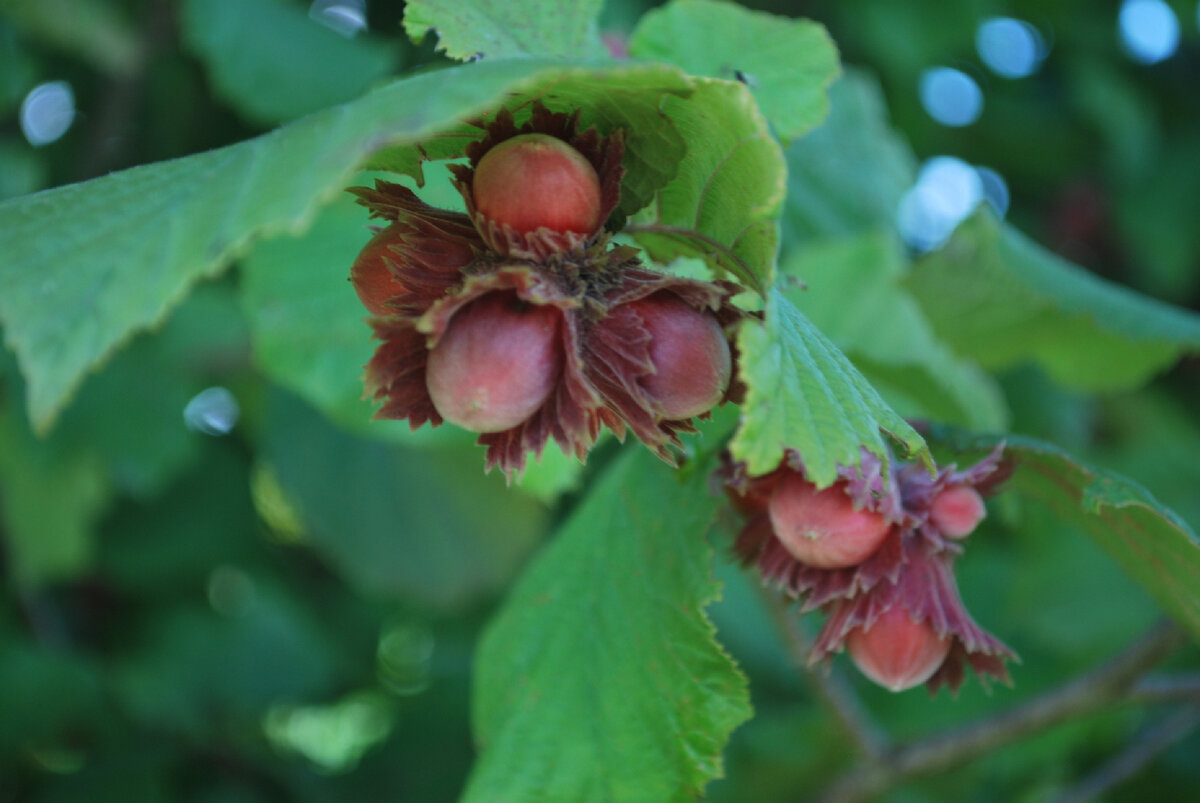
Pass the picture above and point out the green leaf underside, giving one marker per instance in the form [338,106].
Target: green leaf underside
[1149,541]
[788,63]
[804,394]
[600,680]
[506,28]
[86,265]
[998,297]
[853,294]
[280,76]
[724,202]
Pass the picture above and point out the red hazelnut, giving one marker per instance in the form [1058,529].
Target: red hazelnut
[897,652]
[692,363]
[536,180]
[957,511]
[496,363]
[822,528]
[372,278]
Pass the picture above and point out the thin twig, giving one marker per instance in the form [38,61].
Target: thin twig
[1101,687]
[1154,689]
[830,687]
[1133,759]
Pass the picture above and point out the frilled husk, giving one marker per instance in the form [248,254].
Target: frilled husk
[918,488]
[757,544]
[926,589]
[429,247]
[617,349]
[913,567]
[603,360]
[603,152]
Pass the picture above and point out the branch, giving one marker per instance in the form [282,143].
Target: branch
[1135,757]
[830,687]
[1108,684]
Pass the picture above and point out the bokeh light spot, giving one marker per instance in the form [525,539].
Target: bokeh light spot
[1149,30]
[1010,47]
[950,96]
[947,190]
[47,112]
[347,17]
[213,412]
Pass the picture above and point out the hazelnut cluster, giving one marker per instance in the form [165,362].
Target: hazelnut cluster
[520,319]
[876,554]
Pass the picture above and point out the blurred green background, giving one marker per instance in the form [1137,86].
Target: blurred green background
[214,592]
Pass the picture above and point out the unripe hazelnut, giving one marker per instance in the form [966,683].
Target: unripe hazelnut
[822,528]
[957,511]
[372,279]
[496,363]
[536,180]
[897,652]
[692,362]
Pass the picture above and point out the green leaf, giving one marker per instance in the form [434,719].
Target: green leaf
[600,680]
[847,176]
[498,29]
[803,394]
[1002,299]
[392,520]
[788,63]
[852,292]
[87,265]
[50,500]
[273,63]
[723,203]
[1148,540]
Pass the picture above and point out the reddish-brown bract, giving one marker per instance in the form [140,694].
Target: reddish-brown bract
[957,511]
[496,363]
[536,180]
[897,652]
[822,528]
[690,354]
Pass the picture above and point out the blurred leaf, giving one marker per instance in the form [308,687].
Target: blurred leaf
[788,63]
[723,203]
[1148,540]
[1002,299]
[131,414]
[138,239]
[92,30]
[50,500]
[551,475]
[1157,220]
[273,63]
[495,29]
[193,669]
[44,695]
[805,395]
[848,176]
[169,545]
[18,73]
[600,679]
[21,169]
[393,521]
[853,294]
